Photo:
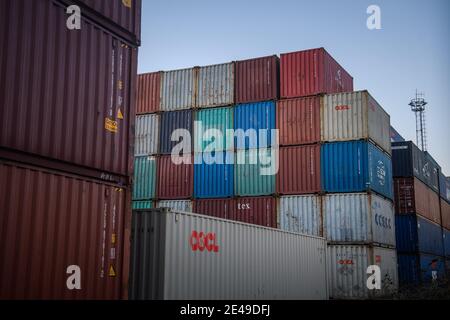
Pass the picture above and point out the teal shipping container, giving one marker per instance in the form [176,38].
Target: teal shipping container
[144,184]
[142,204]
[210,130]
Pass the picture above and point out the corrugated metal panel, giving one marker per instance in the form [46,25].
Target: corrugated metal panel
[444,187]
[51,221]
[413,196]
[238,261]
[415,269]
[354,167]
[416,234]
[220,119]
[147,135]
[220,208]
[254,116]
[298,121]
[300,214]
[311,72]
[445,211]
[299,170]
[61,92]
[358,217]
[178,205]
[144,184]
[250,176]
[142,204]
[214,175]
[148,93]
[178,89]
[446,236]
[216,85]
[171,121]
[175,181]
[354,116]
[257,79]
[348,271]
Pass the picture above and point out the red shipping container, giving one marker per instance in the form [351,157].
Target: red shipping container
[174,181]
[299,170]
[298,121]
[148,93]
[312,72]
[50,221]
[220,208]
[66,94]
[445,211]
[257,79]
[413,196]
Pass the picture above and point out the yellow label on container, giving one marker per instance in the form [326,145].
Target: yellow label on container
[112,272]
[111,125]
[119,114]
[113,238]
[120,84]
[127,3]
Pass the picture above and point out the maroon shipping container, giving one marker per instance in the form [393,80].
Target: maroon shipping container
[299,170]
[51,221]
[174,181]
[445,211]
[255,210]
[148,93]
[312,72]
[257,79]
[413,196]
[65,94]
[298,121]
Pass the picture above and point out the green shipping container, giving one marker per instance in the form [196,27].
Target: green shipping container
[220,119]
[142,205]
[144,178]
[255,172]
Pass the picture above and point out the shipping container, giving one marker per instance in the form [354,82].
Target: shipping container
[417,234]
[257,117]
[300,214]
[178,205]
[446,237]
[142,204]
[175,181]
[444,187]
[148,93]
[216,85]
[178,89]
[257,79]
[214,175]
[147,135]
[445,212]
[413,196]
[312,72]
[172,121]
[144,184]
[408,161]
[395,136]
[50,222]
[354,116]
[213,130]
[414,269]
[358,218]
[224,208]
[182,256]
[257,210]
[354,167]
[299,170]
[347,265]
[298,121]
[255,172]
[66,95]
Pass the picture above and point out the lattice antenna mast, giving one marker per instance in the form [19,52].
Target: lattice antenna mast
[418,107]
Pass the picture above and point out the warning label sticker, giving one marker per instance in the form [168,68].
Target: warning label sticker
[111,125]
[112,272]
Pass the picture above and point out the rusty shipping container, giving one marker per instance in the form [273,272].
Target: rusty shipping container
[445,211]
[299,170]
[257,79]
[215,85]
[311,72]
[178,89]
[298,121]
[50,222]
[148,93]
[65,94]
[413,196]
[174,181]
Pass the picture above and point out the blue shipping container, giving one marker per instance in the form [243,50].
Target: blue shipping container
[416,269]
[355,166]
[256,116]
[214,179]
[416,234]
[444,187]
[446,236]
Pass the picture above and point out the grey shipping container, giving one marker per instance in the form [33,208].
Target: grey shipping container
[216,85]
[186,256]
[178,89]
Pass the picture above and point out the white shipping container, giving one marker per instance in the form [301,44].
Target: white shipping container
[347,271]
[147,135]
[187,256]
[300,214]
[354,116]
[178,89]
[216,85]
[177,205]
[358,218]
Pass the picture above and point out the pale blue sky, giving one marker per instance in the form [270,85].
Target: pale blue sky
[411,51]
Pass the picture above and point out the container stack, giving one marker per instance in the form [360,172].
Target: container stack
[67,100]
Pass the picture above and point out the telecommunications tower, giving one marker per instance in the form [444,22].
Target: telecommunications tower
[418,107]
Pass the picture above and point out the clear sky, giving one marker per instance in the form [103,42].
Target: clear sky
[412,50]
